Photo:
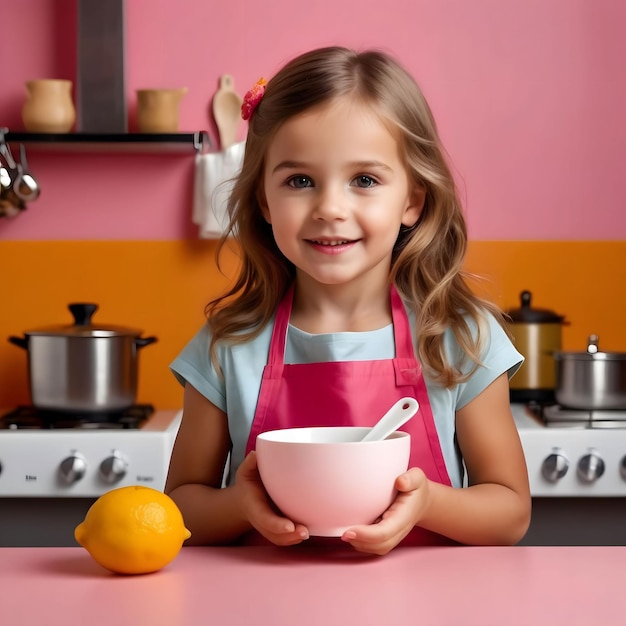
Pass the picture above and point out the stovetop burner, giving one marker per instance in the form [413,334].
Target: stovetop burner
[556,416]
[32,418]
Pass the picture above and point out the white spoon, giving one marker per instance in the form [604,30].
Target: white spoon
[400,413]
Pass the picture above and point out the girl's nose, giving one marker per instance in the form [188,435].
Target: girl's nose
[330,204]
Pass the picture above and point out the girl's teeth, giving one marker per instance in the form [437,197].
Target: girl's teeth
[331,243]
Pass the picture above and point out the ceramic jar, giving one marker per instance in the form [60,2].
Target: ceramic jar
[49,107]
[157,110]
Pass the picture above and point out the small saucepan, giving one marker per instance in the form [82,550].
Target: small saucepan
[83,366]
[591,380]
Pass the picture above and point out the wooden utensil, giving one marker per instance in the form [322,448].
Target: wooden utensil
[227,111]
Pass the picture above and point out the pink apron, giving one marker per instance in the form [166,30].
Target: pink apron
[351,393]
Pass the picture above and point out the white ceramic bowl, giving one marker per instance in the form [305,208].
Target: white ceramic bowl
[327,479]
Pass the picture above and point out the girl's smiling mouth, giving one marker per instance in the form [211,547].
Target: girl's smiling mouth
[331,246]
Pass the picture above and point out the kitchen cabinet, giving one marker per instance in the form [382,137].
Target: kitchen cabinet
[137,143]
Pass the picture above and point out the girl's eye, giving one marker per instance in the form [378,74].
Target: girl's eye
[365,181]
[300,182]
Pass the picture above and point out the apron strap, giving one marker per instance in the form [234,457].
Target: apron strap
[276,357]
[403,338]
[401,327]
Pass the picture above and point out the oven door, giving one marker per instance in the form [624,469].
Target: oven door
[41,522]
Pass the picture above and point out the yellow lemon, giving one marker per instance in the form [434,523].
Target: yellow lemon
[132,530]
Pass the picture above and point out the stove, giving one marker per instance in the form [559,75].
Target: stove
[52,468]
[51,455]
[31,418]
[573,452]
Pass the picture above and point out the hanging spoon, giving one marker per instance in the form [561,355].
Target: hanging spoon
[10,167]
[227,111]
[400,413]
[26,187]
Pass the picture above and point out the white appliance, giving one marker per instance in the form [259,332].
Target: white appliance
[577,472]
[86,461]
[573,453]
[52,469]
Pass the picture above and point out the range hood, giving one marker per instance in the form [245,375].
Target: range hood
[101,76]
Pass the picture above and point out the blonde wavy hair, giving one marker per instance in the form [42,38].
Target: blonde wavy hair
[427,259]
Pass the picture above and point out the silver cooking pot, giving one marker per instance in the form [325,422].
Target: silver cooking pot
[591,380]
[82,366]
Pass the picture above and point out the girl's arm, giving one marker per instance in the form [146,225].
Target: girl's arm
[493,510]
[213,514]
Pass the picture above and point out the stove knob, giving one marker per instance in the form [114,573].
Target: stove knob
[72,469]
[113,468]
[555,466]
[590,467]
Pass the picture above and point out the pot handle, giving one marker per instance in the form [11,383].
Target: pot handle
[20,342]
[142,342]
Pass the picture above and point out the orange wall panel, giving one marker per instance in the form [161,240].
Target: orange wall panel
[162,287]
[159,287]
[582,280]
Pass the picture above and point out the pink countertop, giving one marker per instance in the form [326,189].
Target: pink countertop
[302,586]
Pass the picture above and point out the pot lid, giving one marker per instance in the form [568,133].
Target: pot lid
[592,353]
[83,326]
[533,316]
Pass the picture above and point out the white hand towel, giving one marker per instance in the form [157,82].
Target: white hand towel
[213,183]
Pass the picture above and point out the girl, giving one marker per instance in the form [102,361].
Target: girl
[350,296]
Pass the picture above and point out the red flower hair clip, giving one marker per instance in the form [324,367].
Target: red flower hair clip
[252,98]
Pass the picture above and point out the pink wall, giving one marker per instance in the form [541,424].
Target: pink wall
[530,98]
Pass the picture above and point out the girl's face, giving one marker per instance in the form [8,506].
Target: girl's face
[337,192]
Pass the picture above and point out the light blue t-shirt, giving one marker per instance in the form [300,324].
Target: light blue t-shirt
[236,393]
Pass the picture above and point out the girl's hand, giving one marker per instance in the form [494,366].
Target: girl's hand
[259,510]
[398,520]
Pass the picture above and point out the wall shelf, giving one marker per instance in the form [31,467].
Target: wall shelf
[138,143]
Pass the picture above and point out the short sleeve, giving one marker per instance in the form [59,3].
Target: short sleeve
[499,356]
[194,366]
